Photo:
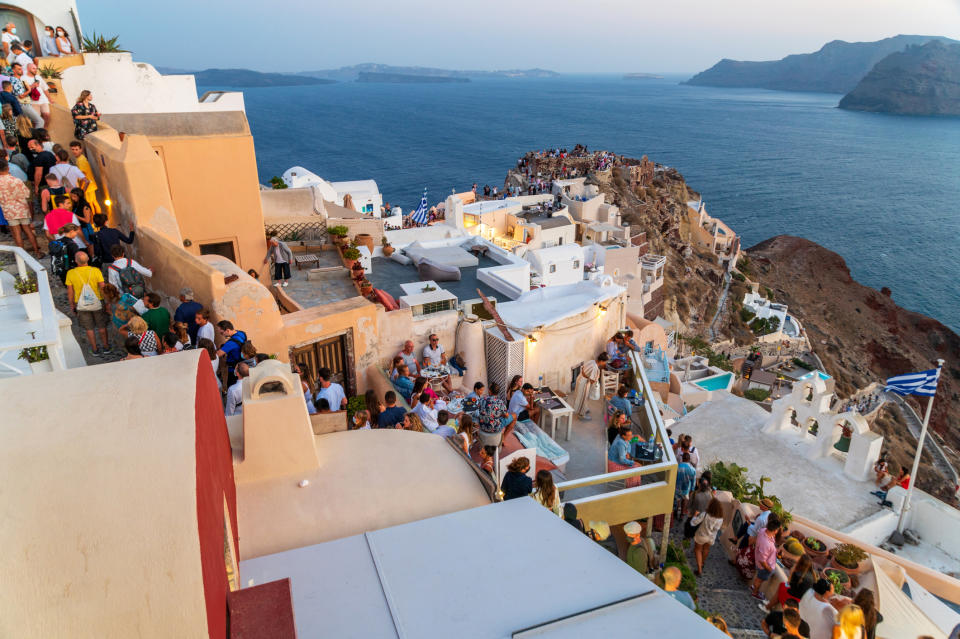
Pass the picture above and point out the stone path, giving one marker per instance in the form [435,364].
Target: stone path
[720,306]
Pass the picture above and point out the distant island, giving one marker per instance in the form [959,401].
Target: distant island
[239,78]
[835,68]
[352,73]
[922,80]
[406,78]
[642,76]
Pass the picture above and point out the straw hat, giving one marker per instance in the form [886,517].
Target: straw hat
[766,503]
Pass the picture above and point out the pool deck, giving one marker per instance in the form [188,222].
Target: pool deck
[389,275]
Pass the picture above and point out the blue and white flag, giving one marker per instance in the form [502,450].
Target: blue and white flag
[421,216]
[922,383]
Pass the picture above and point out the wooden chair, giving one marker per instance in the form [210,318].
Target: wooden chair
[610,382]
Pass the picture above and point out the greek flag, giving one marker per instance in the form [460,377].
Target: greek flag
[922,383]
[421,216]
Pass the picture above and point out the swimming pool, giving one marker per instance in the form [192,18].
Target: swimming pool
[717,382]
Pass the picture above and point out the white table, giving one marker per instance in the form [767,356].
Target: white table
[550,417]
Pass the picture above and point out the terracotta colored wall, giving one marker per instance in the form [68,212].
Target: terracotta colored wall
[215,484]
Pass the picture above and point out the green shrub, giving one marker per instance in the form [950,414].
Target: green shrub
[760,326]
[746,315]
[769,293]
[743,265]
[738,276]
[351,254]
[99,43]
[355,403]
[756,394]
[676,557]
[339,231]
[802,364]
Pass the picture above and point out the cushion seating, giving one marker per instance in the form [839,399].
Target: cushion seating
[430,270]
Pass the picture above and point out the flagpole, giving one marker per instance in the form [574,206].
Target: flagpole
[916,458]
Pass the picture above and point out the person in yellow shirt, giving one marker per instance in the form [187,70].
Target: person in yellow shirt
[90,312]
[90,194]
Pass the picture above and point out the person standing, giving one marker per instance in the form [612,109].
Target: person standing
[817,611]
[14,155]
[708,525]
[80,159]
[391,414]
[63,42]
[280,253]
[85,294]
[686,478]
[641,552]
[204,325]
[330,390]
[156,317]
[40,165]
[15,202]
[39,92]
[231,348]
[127,274]
[671,582]
[22,92]
[8,98]
[8,37]
[234,405]
[48,43]
[107,237]
[586,384]
[765,555]
[70,176]
[85,115]
[187,312]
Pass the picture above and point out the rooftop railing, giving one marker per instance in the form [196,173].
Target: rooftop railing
[18,331]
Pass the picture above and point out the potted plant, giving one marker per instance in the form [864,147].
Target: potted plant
[99,43]
[387,248]
[50,73]
[357,272]
[338,233]
[364,238]
[849,558]
[38,358]
[365,287]
[838,578]
[27,288]
[791,550]
[815,547]
[350,257]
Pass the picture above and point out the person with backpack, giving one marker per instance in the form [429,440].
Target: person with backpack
[127,274]
[85,294]
[122,307]
[105,238]
[231,348]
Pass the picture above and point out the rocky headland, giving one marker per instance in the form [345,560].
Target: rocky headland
[922,80]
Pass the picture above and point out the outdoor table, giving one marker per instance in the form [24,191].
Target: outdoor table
[435,377]
[552,411]
[306,258]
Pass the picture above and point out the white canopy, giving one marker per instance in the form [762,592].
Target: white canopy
[901,616]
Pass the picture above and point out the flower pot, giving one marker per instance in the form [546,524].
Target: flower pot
[856,570]
[31,304]
[388,250]
[349,263]
[366,239]
[366,290]
[43,366]
[339,240]
[818,556]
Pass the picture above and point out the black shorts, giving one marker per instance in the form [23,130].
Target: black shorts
[281,271]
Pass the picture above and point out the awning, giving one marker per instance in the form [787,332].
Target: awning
[901,616]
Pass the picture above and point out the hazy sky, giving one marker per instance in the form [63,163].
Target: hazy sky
[566,36]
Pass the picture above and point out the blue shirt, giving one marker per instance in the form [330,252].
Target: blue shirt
[187,313]
[683,597]
[618,452]
[622,404]
[404,386]
[231,349]
[686,478]
[391,416]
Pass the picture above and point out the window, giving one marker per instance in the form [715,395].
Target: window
[553,268]
[224,249]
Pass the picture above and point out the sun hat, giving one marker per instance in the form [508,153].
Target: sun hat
[632,528]
[766,503]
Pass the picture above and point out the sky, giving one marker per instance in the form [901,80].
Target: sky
[674,36]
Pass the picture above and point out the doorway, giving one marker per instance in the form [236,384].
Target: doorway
[332,353]
[224,249]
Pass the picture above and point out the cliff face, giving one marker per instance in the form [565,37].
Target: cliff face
[835,68]
[860,334]
[923,80]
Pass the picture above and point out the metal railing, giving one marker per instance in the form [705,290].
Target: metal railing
[49,332]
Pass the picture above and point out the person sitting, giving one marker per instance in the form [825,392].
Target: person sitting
[409,358]
[477,393]
[881,470]
[619,402]
[322,405]
[446,425]
[404,382]
[493,416]
[487,454]
[521,403]
[361,420]
[458,363]
[515,482]
[671,581]
[902,479]
[435,356]
[545,492]
[618,421]
[629,342]
[395,367]
[391,414]
[426,411]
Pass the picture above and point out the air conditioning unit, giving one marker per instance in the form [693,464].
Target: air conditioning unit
[504,359]
[475,307]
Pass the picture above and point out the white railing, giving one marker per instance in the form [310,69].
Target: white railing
[48,333]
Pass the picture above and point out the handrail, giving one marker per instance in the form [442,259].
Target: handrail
[49,334]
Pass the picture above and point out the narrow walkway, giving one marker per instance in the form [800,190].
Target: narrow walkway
[720,306]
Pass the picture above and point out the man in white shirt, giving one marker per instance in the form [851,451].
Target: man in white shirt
[234,404]
[20,56]
[816,610]
[70,176]
[121,262]
[427,411]
[433,353]
[330,391]
[41,104]
[204,326]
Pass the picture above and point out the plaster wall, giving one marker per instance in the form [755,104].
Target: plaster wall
[583,211]
[937,523]
[120,85]
[396,327]
[287,203]
[622,265]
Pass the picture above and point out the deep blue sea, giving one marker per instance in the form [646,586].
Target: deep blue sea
[881,190]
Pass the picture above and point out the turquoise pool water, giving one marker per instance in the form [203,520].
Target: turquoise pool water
[720,382]
[822,375]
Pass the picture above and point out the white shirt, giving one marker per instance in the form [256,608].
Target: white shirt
[234,399]
[9,38]
[29,80]
[68,174]
[113,275]
[819,615]
[517,402]
[205,331]
[411,361]
[333,394]
[24,60]
[432,355]
[427,415]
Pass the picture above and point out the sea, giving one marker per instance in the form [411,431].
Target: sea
[880,190]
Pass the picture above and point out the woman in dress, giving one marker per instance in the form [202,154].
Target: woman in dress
[546,493]
[64,46]
[85,115]
[801,578]
[9,120]
[708,524]
[588,379]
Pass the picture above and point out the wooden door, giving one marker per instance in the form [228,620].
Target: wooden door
[329,353]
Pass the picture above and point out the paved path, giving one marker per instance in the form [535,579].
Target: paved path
[720,306]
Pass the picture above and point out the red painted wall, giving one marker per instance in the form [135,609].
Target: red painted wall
[214,483]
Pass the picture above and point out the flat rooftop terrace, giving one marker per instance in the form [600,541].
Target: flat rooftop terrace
[728,428]
[331,284]
[389,275]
